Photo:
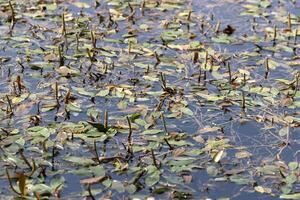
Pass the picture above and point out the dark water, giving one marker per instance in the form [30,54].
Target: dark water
[125,63]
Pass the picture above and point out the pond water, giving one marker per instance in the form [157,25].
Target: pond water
[143,99]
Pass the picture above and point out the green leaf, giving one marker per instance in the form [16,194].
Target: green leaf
[73,107]
[240,180]
[130,188]
[57,182]
[284,131]
[100,127]
[212,170]
[20,142]
[286,189]
[268,169]
[153,131]
[134,116]
[118,186]
[272,64]
[81,5]
[82,91]
[290,179]
[92,112]
[223,39]
[187,111]
[103,93]
[94,191]
[293,165]
[41,189]
[152,178]
[98,170]
[79,160]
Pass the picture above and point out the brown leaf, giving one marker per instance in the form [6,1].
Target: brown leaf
[50,57]
[208,129]
[22,184]
[225,103]
[287,101]
[187,178]
[199,139]
[109,159]
[93,180]
[234,171]
[178,152]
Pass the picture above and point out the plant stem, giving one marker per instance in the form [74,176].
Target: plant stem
[10,182]
[60,56]
[96,151]
[63,24]
[267,68]
[289,22]
[25,159]
[243,100]
[229,72]
[154,159]
[105,119]
[13,17]
[9,104]
[56,94]
[129,139]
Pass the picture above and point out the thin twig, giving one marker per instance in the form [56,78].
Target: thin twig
[105,119]
[10,183]
[13,17]
[129,139]
[90,192]
[25,159]
[9,104]
[154,159]
[96,152]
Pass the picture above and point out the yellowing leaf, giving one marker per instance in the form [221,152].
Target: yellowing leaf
[218,156]
[81,5]
[290,196]
[93,180]
[22,184]
[243,154]
[261,189]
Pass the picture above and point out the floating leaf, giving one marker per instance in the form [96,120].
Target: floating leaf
[152,178]
[223,39]
[293,165]
[41,189]
[66,71]
[118,186]
[57,183]
[217,157]
[93,180]
[243,154]
[81,4]
[186,110]
[290,196]
[152,131]
[239,179]
[22,184]
[284,131]
[79,160]
[212,170]
[103,93]
[261,189]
